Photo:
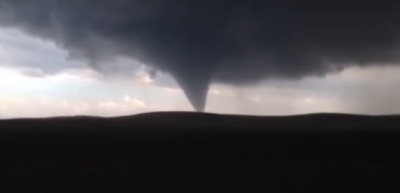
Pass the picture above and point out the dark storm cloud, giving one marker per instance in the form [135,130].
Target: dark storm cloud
[205,41]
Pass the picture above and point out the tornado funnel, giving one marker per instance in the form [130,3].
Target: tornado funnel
[195,89]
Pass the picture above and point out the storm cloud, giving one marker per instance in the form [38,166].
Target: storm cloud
[206,41]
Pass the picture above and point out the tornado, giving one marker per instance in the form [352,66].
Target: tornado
[195,86]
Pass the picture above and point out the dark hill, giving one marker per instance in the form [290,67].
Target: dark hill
[198,152]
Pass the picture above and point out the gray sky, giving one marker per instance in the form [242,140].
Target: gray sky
[34,84]
[206,42]
[116,57]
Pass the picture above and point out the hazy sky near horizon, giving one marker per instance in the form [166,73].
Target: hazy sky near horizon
[38,79]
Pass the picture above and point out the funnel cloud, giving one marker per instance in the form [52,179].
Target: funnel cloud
[207,41]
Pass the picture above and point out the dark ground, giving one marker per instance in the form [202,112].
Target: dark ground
[188,152]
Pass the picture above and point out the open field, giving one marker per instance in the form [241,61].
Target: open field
[190,152]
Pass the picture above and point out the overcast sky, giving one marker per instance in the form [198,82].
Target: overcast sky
[38,80]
